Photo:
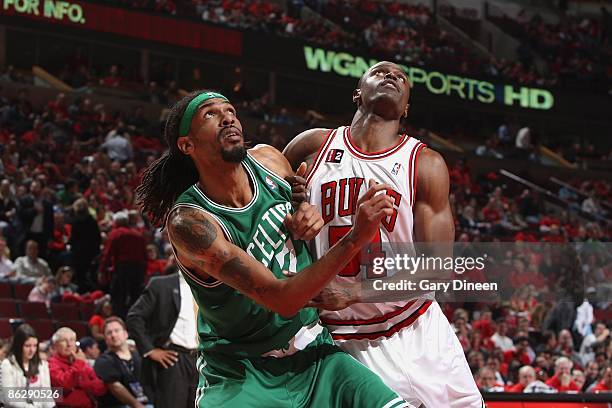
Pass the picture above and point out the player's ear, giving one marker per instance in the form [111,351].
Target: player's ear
[185,144]
[357,96]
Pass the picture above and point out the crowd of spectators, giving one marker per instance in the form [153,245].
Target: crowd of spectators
[576,49]
[394,30]
[67,175]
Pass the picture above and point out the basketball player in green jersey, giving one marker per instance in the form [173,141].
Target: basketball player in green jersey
[227,212]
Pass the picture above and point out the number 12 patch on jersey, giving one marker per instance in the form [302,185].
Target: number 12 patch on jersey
[334,156]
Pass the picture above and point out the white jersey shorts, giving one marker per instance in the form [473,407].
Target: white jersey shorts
[424,363]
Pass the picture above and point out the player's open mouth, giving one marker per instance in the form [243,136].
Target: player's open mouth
[231,134]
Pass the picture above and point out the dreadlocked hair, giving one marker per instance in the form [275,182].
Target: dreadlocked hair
[170,175]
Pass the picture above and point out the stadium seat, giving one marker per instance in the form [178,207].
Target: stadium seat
[87,310]
[6,290]
[34,310]
[80,328]
[44,328]
[9,308]
[6,330]
[64,311]
[22,290]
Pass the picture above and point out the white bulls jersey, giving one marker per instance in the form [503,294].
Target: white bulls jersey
[338,177]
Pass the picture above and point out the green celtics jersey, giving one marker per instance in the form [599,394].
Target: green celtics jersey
[228,321]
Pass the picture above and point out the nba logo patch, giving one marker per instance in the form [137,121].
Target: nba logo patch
[396,168]
[270,183]
[334,156]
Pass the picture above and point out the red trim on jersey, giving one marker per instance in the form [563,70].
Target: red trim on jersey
[416,169]
[320,152]
[360,154]
[379,319]
[387,333]
[410,174]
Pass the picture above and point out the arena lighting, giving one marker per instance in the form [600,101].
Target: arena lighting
[437,83]
[57,10]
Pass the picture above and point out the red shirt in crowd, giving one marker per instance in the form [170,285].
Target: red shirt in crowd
[78,381]
[518,388]
[555,383]
[601,387]
[124,244]
[511,355]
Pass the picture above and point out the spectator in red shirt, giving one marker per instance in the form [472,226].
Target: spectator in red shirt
[605,385]
[69,370]
[96,322]
[487,382]
[527,375]
[58,252]
[125,253]
[520,351]
[113,79]
[562,380]
[155,265]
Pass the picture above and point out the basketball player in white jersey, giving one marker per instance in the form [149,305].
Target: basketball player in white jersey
[410,344]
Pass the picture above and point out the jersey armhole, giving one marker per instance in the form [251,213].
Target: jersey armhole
[278,178]
[210,282]
[414,167]
[320,154]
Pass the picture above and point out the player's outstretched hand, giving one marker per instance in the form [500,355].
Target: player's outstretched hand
[371,208]
[298,185]
[305,223]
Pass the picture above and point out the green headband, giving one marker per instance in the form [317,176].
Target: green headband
[193,107]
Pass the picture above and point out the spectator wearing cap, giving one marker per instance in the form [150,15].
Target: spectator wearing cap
[91,349]
[125,253]
[562,380]
[70,371]
[29,268]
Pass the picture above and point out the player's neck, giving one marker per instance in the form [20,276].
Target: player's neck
[226,183]
[372,133]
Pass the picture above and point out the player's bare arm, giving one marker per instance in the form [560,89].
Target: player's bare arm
[304,147]
[306,222]
[432,211]
[202,247]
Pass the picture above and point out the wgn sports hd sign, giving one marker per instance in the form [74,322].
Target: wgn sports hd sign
[437,83]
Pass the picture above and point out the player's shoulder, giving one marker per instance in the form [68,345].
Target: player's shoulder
[304,145]
[431,160]
[272,159]
[191,228]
